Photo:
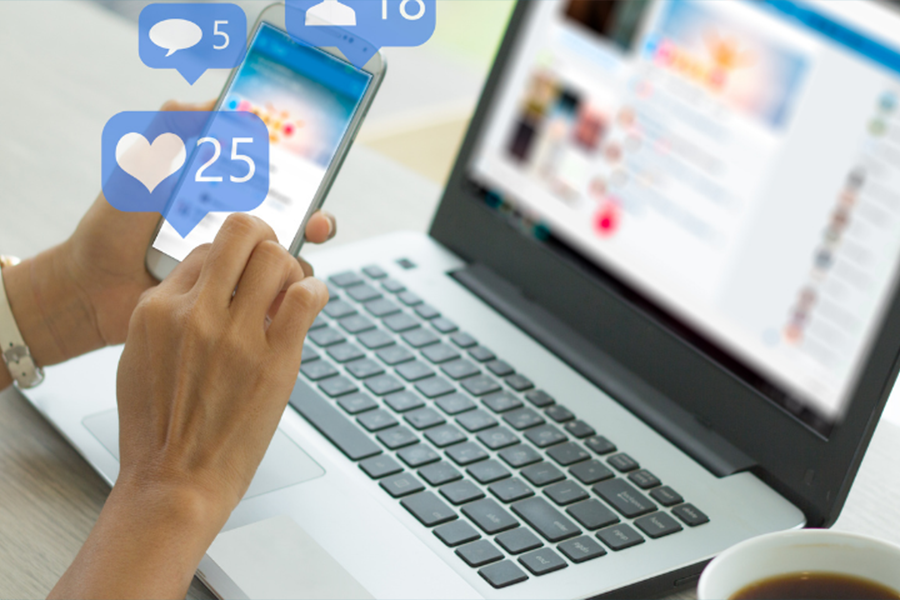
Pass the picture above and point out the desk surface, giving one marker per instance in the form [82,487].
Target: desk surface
[49,163]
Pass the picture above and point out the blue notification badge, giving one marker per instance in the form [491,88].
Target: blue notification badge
[359,28]
[185,165]
[192,38]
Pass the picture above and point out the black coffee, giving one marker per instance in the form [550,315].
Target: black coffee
[816,586]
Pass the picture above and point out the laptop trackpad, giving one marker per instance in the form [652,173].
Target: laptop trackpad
[276,558]
[284,464]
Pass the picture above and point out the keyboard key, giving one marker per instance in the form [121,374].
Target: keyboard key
[375,272]
[480,385]
[400,322]
[489,516]
[542,474]
[445,435]
[543,561]
[545,519]
[409,299]
[463,340]
[690,515]
[375,340]
[644,479]
[624,498]
[309,355]
[338,386]
[518,540]
[501,402]
[345,352]
[424,418]
[657,525]
[414,371]
[397,437]
[439,473]
[568,454]
[339,309]
[364,368]
[666,496]
[540,398]
[419,338]
[466,454]
[565,492]
[559,413]
[476,420]
[326,337]
[357,403]
[380,466]
[394,355]
[456,533]
[619,537]
[481,354]
[356,324]
[332,291]
[581,549]
[523,418]
[460,369]
[518,382]
[497,438]
[500,368]
[427,312]
[510,490]
[479,553]
[545,436]
[376,420]
[401,485]
[444,325]
[488,471]
[592,514]
[384,384]
[318,370]
[503,574]
[623,463]
[331,423]
[591,472]
[428,509]
[440,353]
[346,279]
[434,386]
[454,404]
[382,308]
[579,429]
[600,444]
[364,293]
[520,456]
[393,286]
[319,323]
[461,492]
[418,455]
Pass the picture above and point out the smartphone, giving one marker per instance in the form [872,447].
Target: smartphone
[313,102]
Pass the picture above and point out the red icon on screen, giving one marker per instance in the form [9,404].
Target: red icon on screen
[608,218]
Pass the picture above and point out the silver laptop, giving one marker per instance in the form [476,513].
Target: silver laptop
[656,315]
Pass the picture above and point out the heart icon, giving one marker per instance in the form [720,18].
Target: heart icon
[150,163]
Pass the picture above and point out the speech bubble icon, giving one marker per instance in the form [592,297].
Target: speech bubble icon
[185,165]
[192,38]
[175,34]
[359,28]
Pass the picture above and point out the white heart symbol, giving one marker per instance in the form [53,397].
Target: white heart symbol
[150,163]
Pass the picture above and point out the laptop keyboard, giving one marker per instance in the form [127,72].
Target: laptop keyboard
[498,469]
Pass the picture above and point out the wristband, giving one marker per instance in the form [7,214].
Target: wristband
[15,353]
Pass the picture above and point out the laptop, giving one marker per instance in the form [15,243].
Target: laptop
[656,315]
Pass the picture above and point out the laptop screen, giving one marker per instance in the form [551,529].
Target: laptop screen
[734,166]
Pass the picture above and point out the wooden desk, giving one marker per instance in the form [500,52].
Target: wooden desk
[59,94]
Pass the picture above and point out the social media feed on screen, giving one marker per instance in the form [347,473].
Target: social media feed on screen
[669,142]
[307,99]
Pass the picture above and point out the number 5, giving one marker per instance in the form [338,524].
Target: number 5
[222,33]
[235,156]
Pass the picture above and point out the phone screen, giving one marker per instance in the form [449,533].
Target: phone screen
[307,99]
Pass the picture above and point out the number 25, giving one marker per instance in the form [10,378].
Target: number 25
[251,171]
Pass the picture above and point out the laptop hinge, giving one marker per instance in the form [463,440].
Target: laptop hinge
[676,424]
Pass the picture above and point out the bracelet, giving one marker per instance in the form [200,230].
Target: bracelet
[15,353]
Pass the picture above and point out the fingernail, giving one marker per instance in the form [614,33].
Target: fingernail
[332,226]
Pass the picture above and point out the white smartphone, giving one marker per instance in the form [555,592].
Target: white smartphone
[277,82]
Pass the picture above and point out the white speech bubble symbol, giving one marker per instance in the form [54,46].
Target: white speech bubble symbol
[175,34]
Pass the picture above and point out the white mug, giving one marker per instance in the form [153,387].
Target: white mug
[806,550]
